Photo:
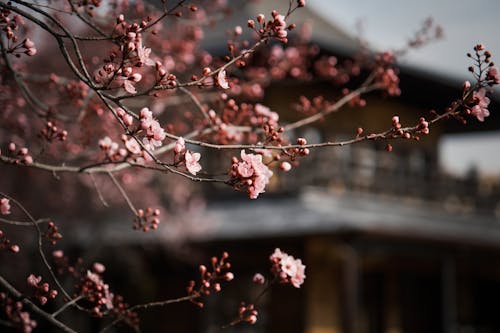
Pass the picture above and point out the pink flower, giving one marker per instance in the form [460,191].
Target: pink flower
[258,279]
[180,145]
[493,76]
[285,166]
[143,54]
[245,169]
[221,79]
[260,175]
[298,278]
[155,134]
[4,206]
[132,146]
[192,162]
[252,173]
[288,269]
[480,110]
[99,268]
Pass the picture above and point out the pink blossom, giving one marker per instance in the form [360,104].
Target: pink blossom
[155,134]
[4,206]
[221,79]
[480,110]
[493,75]
[180,145]
[98,267]
[33,280]
[258,279]
[107,298]
[287,268]
[132,146]
[245,169]
[285,166]
[143,54]
[298,278]
[260,175]
[192,162]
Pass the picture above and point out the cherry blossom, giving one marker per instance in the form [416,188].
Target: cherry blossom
[4,206]
[252,171]
[287,269]
[221,79]
[180,145]
[480,110]
[192,162]
[493,75]
[155,134]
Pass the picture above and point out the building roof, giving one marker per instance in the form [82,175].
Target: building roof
[315,212]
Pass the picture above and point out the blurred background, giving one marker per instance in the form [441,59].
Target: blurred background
[406,241]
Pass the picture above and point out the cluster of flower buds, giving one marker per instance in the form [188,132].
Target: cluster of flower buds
[210,281]
[5,243]
[396,125]
[311,106]
[247,313]
[276,27]
[27,47]
[250,174]
[20,155]
[299,151]
[487,75]
[286,269]
[53,234]
[147,220]
[9,25]
[15,315]
[385,74]
[96,291]
[51,132]
[423,126]
[42,291]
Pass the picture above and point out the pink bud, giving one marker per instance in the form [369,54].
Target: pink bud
[258,279]
[285,166]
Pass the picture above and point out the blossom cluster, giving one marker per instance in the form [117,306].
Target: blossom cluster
[250,173]
[41,291]
[287,269]
[210,280]
[96,291]
[146,220]
[189,158]
[19,155]
[13,310]
[155,134]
